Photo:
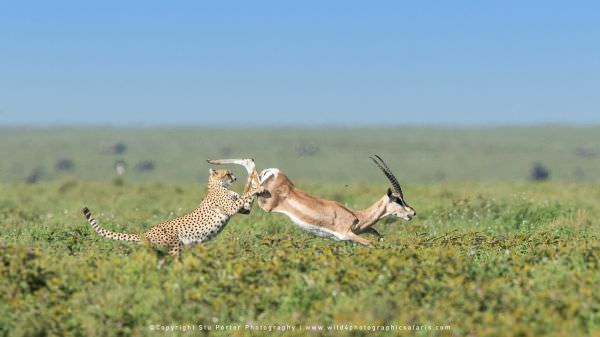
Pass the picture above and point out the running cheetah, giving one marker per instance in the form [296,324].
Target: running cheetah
[201,225]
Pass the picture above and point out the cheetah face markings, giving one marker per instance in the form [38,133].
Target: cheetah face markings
[222,177]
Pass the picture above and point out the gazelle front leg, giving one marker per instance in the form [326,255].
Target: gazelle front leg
[372,230]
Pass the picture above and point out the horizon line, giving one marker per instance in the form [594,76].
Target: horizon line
[299,126]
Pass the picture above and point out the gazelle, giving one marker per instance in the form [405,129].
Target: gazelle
[325,218]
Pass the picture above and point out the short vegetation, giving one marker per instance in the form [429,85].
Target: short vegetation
[482,257]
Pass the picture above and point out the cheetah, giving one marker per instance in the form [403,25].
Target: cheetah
[201,225]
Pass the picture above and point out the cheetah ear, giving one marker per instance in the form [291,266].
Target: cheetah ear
[211,171]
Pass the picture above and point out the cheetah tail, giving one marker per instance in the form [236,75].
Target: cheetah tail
[107,233]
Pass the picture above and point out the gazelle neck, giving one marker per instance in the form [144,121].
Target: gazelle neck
[370,215]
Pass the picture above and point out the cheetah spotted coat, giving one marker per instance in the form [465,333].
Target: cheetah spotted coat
[201,225]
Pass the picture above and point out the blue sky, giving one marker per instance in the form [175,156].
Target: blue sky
[299,63]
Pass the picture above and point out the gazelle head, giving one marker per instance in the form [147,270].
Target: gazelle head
[396,204]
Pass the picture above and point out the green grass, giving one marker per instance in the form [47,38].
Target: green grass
[488,254]
[487,259]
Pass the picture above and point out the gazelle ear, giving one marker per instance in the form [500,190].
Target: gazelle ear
[390,194]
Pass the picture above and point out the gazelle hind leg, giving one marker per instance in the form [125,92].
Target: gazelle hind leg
[356,238]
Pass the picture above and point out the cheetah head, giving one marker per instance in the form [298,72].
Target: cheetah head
[221,177]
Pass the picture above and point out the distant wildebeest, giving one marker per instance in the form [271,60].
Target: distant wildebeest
[116,148]
[34,176]
[539,172]
[307,149]
[145,165]
[585,151]
[64,164]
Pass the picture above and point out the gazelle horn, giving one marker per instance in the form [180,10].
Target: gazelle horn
[388,173]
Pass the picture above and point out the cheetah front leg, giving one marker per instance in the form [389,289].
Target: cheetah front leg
[251,182]
[176,248]
[245,200]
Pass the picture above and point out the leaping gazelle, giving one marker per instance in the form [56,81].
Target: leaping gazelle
[325,218]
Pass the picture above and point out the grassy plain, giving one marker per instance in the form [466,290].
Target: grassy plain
[314,155]
[489,253]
